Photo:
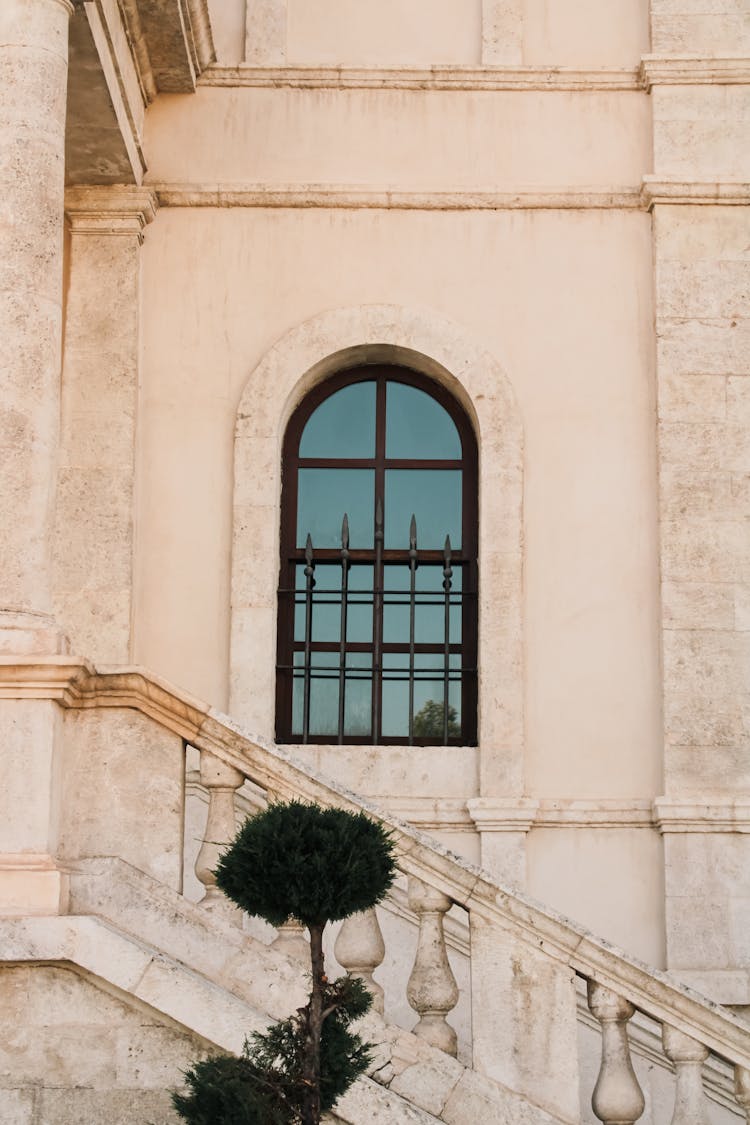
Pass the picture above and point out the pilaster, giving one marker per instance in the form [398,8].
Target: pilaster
[698,196]
[503,825]
[502,32]
[93,544]
[266,32]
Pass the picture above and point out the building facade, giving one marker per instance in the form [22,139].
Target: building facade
[535,212]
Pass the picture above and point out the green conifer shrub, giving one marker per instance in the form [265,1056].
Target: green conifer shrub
[317,866]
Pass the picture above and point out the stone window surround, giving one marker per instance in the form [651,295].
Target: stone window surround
[435,347]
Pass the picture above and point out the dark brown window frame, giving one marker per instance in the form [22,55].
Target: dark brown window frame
[292,555]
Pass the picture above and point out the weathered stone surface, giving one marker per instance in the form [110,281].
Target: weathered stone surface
[70,1052]
[33,75]
[120,772]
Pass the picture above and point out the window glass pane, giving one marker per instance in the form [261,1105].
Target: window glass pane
[417,426]
[429,691]
[434,496]
[343,425]
[326,604]
[324,694]
[429,605]
[324,495]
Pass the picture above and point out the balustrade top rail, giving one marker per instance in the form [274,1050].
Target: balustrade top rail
[76,684]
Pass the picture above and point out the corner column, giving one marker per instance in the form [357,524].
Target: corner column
[33,87]
[33,90]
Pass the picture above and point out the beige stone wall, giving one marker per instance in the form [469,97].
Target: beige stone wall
[510,207]
[558,294]
[698,27]
[72,1053]
[402,140]
[590,582]
[119,773]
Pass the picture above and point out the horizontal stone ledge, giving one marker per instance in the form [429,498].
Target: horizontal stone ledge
[693,70]
[726,193]
[115,210]
[468,78]
[363,197]
[716,814]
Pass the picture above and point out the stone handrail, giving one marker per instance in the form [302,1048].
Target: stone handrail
[543,948]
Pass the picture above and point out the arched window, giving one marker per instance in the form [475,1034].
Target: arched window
[378,589]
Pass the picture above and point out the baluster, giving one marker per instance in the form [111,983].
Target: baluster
[432,990]
[291,941]
[221,780]
[617,1097]
[688,1057]
[360,949]
[742,1090]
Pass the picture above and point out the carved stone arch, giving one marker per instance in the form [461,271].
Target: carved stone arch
[434,346]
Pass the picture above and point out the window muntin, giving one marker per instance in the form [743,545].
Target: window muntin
[358,653]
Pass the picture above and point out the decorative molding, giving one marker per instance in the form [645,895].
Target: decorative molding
[110,210]
[198,26]
[343,197]
[693,70]
[432,814]
[503,814]
[727,193]
[122,77]
[131,21]
[595,813]
[714,814]
[467,78]
[173,41]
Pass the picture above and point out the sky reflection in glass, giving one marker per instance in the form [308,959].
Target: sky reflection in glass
[324,495]
[418,427]
[326,617]
[434,496]
[343,425]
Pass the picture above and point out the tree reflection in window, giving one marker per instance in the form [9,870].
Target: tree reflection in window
[377,593]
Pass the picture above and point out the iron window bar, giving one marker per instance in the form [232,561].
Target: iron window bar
[312,596]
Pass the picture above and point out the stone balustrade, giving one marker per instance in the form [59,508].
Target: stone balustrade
[432,991]
[525,959]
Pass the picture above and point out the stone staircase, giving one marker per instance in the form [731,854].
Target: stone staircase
[199,976]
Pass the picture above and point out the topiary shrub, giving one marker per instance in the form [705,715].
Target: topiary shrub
[315,865]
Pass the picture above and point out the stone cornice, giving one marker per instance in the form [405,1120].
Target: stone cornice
[702,814]
[686,70]
[654,190]
[524,78]
[364,197]
[171,42]
[500,814]
[727,193]
[132,23]
[432,814]
[693,70]
[110,210]
[595,813]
